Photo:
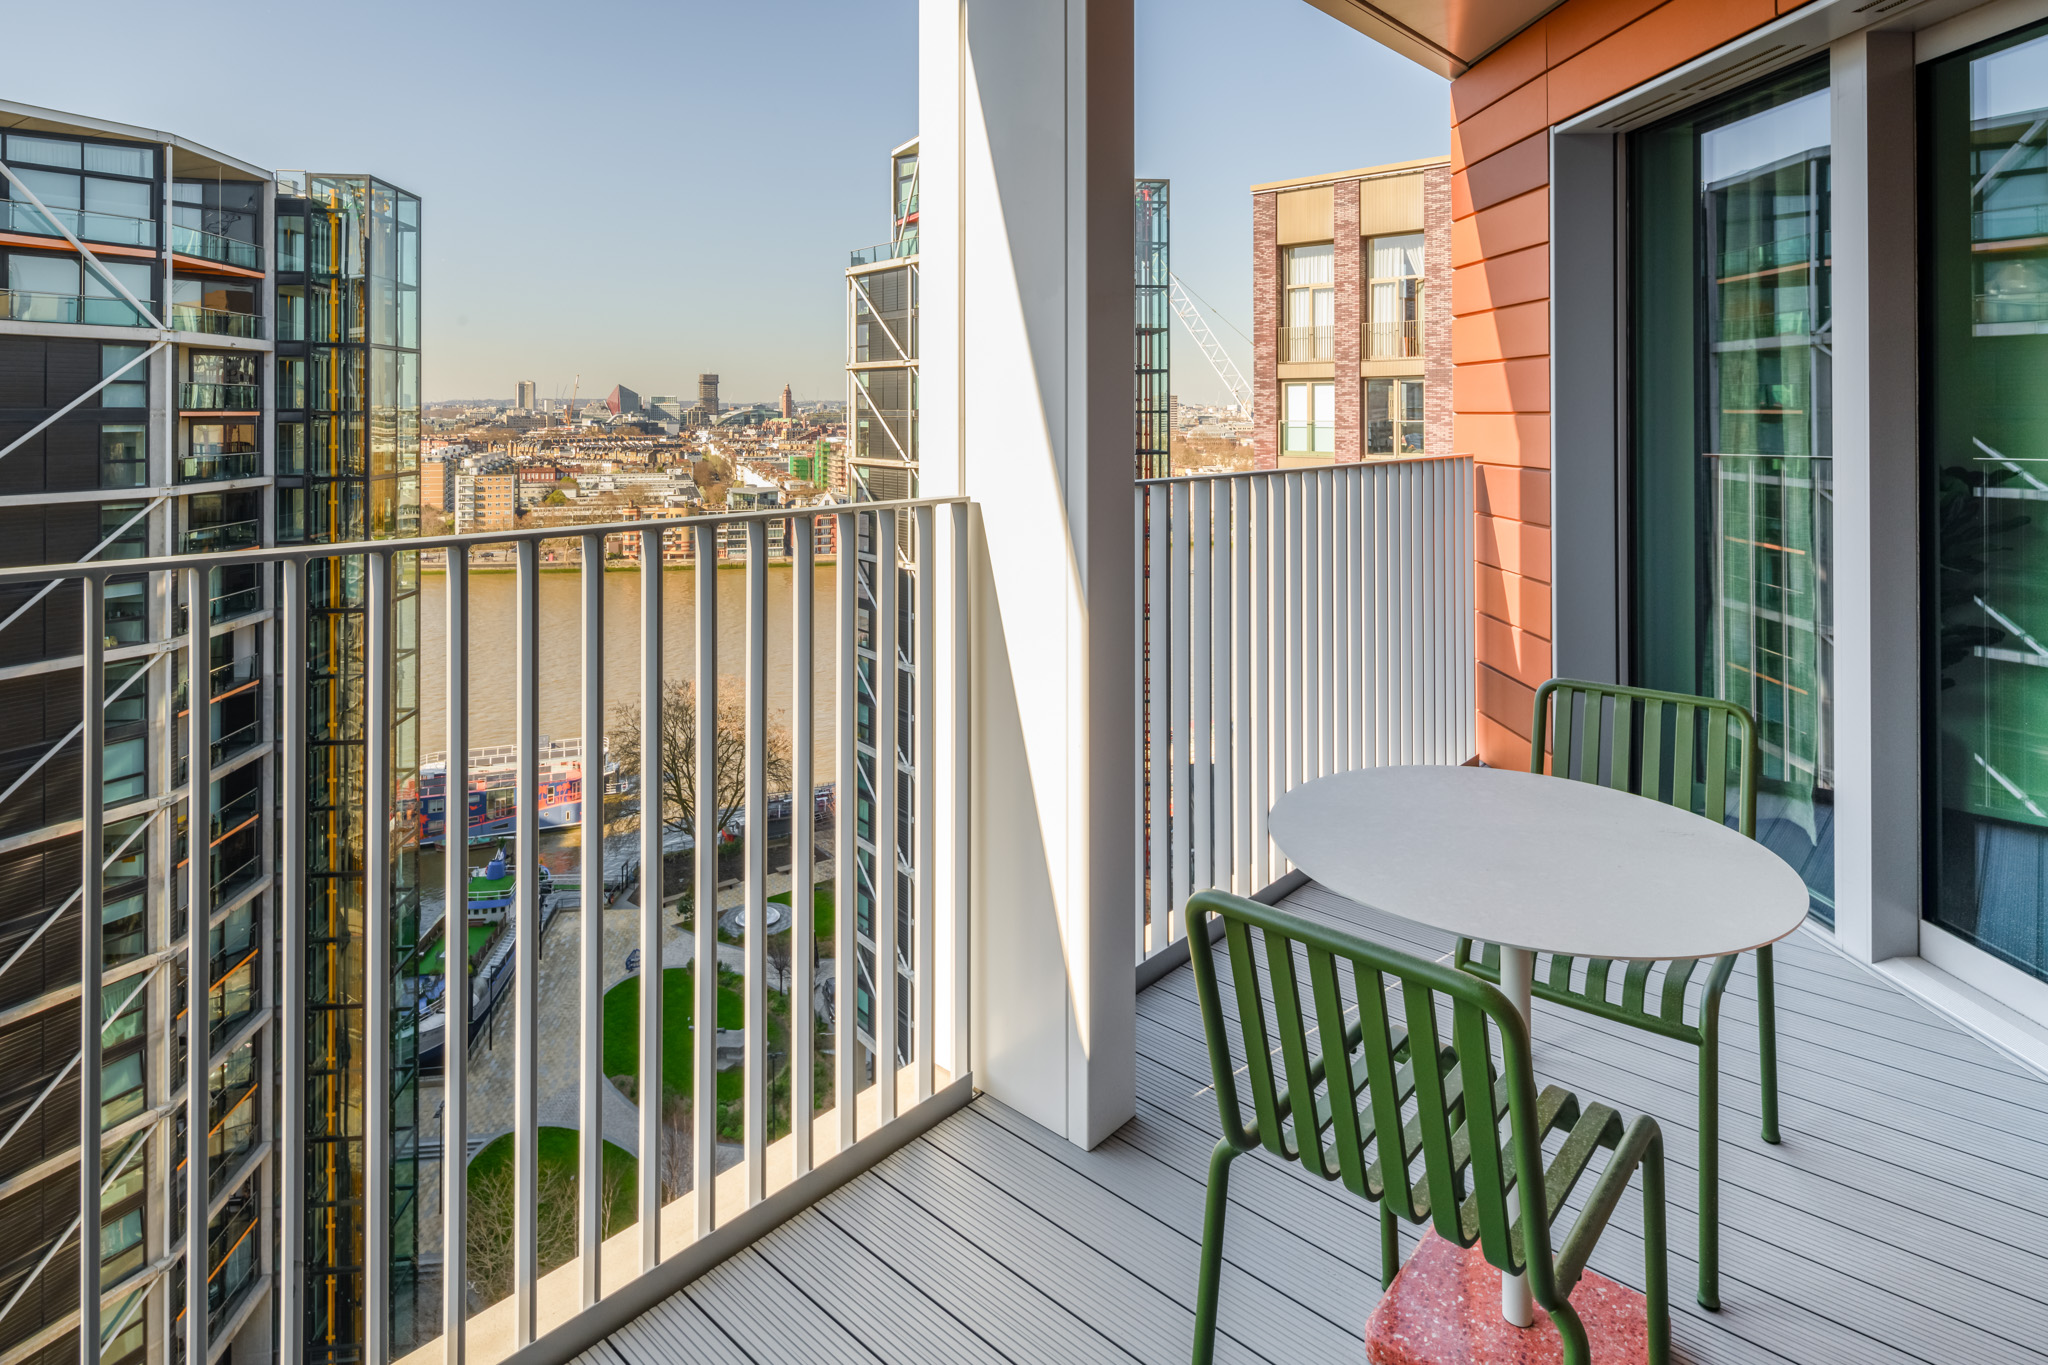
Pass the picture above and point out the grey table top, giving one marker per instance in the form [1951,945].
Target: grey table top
[1538,862]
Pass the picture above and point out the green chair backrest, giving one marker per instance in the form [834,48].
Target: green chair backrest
[1354,1070]
[1668,746]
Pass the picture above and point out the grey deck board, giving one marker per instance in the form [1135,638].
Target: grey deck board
[1903,1219]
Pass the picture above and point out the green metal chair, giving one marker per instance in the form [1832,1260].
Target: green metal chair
[1677,749]
[1349,1073]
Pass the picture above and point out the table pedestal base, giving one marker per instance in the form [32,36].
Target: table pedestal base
[1440,1311]
[1517,975]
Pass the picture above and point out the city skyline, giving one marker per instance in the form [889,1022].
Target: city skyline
[770,311]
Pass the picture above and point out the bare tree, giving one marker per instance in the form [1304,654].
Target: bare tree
[677,782]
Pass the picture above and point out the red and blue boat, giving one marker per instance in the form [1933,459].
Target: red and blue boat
[493,791]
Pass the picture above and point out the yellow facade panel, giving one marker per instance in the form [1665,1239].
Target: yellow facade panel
[1306,215]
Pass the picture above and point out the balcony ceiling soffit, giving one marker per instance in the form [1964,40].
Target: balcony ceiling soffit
[1446,36]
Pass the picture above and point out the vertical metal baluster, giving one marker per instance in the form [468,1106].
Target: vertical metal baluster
[1158,738]
[377,999]
[653,969]
[924,773]
[1312,602]
[1337,649]
[845,807]
[455,952]
[803,810]
[1261,671]
[704,861]
[755,849]
[959,684]
[1244,610]
[1201,728]
[590,964]
[1141,704]
[1358,572]
[292,972]
[1173,744]
[92,960]
[526,955]
[198,916]
[885,817]
[1223,788]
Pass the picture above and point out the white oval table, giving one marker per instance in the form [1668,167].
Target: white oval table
[1538,864]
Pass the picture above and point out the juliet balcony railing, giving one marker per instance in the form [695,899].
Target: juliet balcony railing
[1307,343]
[191,317]
[829,1028]
[1295,624]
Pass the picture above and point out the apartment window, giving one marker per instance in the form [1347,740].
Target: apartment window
[93,205]
[291,313]
[42,288]
[127,611]
[1308,419]
[291,447]
[131,390]
[291,514]
[124,456]
[1311,302]
[291,384]
[1393,417]
[120,1246]
[121,1096]
[129,539]
[1394,309]
[291,241]
[103,303]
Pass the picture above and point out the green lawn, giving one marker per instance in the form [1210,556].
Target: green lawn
[622,1025]
[558,1149]
[821,911]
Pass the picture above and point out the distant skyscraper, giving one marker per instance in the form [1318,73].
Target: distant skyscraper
[524,395]
[707,393]
[622,401]
[788,403]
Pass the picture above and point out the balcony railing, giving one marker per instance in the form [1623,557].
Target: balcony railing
[809,667]
[228,535]
[190,317]
[89,226]
[1394,340]
[206,464]
[900,249]
[1307,343]
[211,246]
[1307,438]
[220,397]
[1296,624]
[22,305]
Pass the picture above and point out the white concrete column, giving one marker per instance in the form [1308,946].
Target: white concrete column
[1026,315]
[1876,516]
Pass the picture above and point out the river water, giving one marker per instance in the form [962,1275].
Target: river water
[493,662]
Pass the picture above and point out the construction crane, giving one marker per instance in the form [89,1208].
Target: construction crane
[1212,349]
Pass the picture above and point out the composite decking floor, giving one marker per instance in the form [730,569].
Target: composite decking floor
[1904,1216]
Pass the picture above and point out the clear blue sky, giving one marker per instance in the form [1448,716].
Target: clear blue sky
[636,192]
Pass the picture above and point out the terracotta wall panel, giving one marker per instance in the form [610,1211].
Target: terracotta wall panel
[1503,333]
[1578,24]
[1516,546]
[1517,653]
[1510,703]
[1500,125]
[1520,601]
[1523,221]
[1518,277]
[1500,747]
[1505,438]
[1502,490]
[1668,36]
[1516,62]
[1519,386]
[1515,170]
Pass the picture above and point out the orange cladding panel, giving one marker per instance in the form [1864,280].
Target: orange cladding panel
[1523,221]
[1524,602]
[1668,36]
[1504,333]
[1518,277]
[1523,656]
[1515,546]
[1500,125]
[1505,490]
[1504,386]
[1504,437]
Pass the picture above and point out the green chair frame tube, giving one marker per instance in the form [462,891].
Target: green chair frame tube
[1616,736]
[1366,1094]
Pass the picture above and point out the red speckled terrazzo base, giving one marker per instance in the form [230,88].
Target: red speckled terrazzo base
[1444,1309]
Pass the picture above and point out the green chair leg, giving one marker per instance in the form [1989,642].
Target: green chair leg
[1656,1269]
[1390,1246]
[1767,1039]
[1212,1253]
[1572,1334]
[1710,1164]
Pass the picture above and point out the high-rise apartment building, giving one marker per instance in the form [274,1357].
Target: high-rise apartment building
[193,357]
[1351,321]
[707,394]
[881,356]
[525,395]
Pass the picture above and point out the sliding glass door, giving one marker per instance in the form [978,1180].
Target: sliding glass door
[1984,405]
[1733,481]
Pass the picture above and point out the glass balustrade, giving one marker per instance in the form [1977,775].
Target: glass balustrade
[211,246]
[218,397]
[233,535]
[190,317]
[117,229]
[203,464]
[27,305]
